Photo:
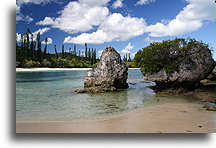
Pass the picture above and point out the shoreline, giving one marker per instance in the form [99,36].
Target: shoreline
[53,69]
[49,69]
[163,118]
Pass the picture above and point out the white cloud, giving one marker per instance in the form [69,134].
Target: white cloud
[144,2]
[188,20]
[149,40]
[18,37]
[127,48]
[118,4]
[100,52]
[83,15]
[41,30]
[27,18]
[21,17]
[46,21]
[49,41]
[115,28]
[37,2]
[93,3]
[79,17]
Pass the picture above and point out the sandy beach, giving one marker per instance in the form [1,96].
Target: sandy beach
[49,69]
[163,118]
[52,69]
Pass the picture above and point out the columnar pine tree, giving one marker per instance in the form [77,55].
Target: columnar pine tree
[28,53]
[86,50]
[45,48]
[126,57]
[56,53]
[39,47]
[62,51]
[79,54]
[32,47]
[129,58]
[75,50]
[89,54]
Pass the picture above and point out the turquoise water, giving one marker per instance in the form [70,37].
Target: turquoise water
[49,96]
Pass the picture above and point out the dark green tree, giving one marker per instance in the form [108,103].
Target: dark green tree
[32,47]
[89,54]
[63,52]
[56,53]
[45,48]
[129,58]
[86,51]
[75,50]
[39,47]
[27,34]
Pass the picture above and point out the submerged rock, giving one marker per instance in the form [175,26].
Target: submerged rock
[109,75]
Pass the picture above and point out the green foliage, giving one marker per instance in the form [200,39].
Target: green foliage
[30,63]
[131,64]
[164,55]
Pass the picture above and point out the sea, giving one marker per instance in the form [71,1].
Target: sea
[50,96]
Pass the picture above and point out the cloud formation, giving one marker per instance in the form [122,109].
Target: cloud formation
[85,15]
[79,16]
[117,4]
[127,48]
[49,41]
[41,30]
[188,20]
[27,18]
[115,28]
[144,2]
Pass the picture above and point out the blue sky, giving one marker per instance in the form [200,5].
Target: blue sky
[127,25]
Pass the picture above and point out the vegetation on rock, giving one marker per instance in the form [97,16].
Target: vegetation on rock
[165,55]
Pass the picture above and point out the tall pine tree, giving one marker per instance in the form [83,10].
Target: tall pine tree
[63,51]
[45,48]
[56,53]
[39,47]
[86,51]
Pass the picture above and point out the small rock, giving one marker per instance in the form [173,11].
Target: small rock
[205,81]
[210,106]
[132,83]
[188,131]
[200,126]
[80,91]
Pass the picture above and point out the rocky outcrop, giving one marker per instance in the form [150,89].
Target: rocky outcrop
[109,75]
[192,67]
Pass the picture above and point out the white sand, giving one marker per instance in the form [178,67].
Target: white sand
[49,69]
[166,118]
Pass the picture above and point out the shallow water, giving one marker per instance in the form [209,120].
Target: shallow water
[49,96]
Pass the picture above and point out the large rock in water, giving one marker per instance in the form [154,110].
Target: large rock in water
[192,67]
[109,75]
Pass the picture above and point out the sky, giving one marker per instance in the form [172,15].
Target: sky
[126,25]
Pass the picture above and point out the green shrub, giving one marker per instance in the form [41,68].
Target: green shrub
[164,55]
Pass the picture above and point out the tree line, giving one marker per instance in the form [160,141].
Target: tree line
[29,53]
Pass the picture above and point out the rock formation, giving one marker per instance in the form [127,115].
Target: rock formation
[191,67]
[109,75]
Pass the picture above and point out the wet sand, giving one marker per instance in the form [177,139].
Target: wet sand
[163,118]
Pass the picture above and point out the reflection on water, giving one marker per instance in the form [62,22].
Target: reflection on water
[49,96]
